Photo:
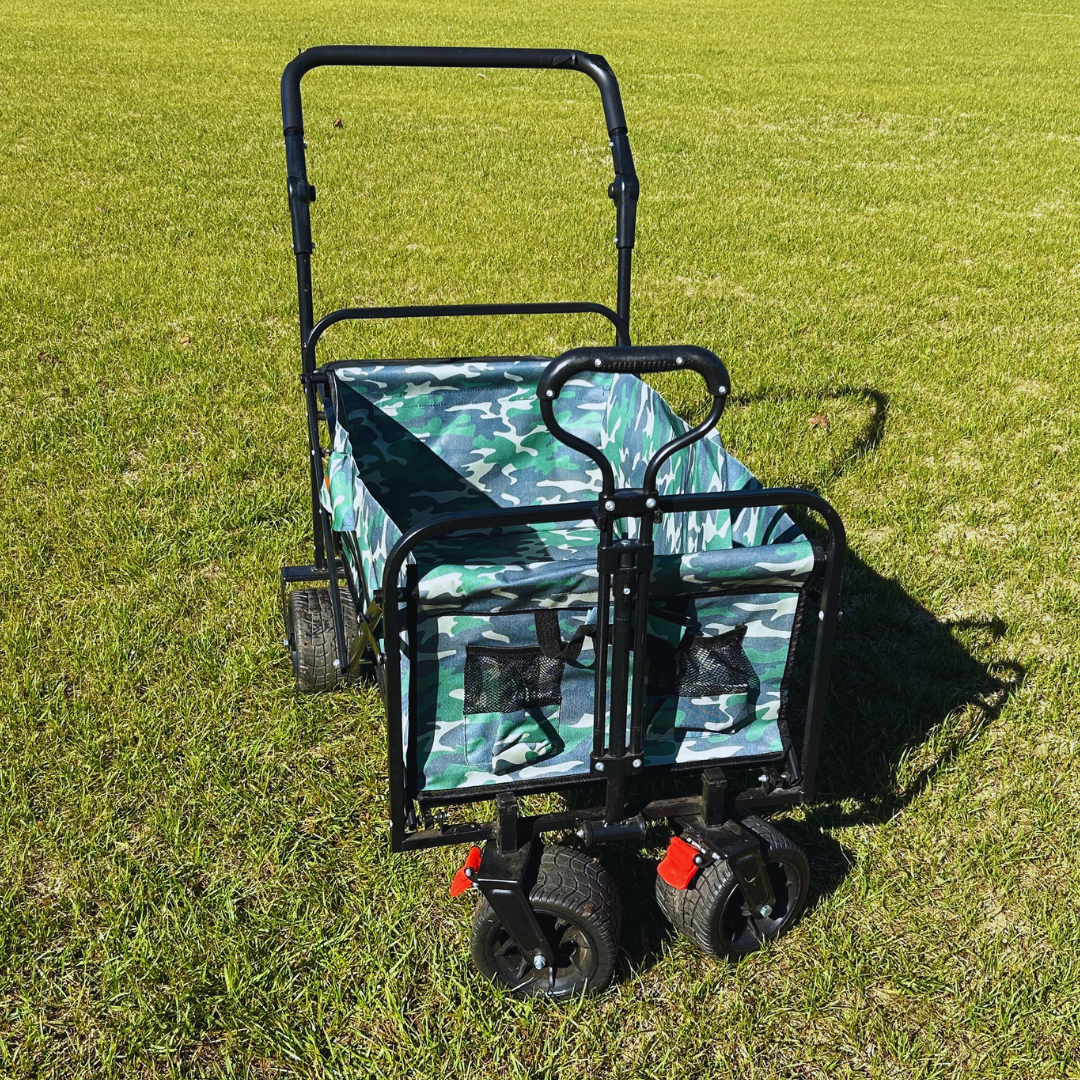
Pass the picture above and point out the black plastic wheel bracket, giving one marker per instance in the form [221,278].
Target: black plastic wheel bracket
[753,878]
[501,877]
[741,850]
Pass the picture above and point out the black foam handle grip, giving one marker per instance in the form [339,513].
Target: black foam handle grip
[640,360]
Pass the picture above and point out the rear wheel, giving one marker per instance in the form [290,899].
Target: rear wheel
[313,641]
[711,912]
[577,906]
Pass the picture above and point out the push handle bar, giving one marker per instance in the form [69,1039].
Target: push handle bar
[623,189]
[596,67]
[635,361]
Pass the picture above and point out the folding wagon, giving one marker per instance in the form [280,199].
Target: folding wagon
[562,589]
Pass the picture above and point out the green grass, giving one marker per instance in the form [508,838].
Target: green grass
[870,212]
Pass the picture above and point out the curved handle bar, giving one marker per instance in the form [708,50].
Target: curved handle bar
[596,67]
[623,190]
[636,361]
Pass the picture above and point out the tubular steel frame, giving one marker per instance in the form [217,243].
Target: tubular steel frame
[617,748]
[801,770]
[623,191]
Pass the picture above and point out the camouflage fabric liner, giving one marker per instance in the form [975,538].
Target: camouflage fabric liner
[427,438]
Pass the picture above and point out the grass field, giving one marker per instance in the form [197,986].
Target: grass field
[869,211]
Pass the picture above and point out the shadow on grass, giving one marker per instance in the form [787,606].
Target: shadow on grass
[906,699]
[907,696]
[864,442]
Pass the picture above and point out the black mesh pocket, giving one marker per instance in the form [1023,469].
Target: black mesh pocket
[702,667]
[711,666]
[503,680]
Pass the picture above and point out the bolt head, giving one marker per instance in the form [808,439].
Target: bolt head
[598,363]
[599,766]
[765,911]
[650,503]
[609,506]
[539,962]
[551,393]
[637,763]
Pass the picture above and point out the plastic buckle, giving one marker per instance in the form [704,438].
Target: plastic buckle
[463,878]
[680,864]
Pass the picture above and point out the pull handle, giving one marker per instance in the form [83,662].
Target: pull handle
[642,360]
[596,67]
[623,189]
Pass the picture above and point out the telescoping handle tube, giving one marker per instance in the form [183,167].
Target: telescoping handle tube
[640,360]
[623,190]
[624,566]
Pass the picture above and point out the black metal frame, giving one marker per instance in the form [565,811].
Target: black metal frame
[617,760]
[623,190]
[618,756]
[512,841]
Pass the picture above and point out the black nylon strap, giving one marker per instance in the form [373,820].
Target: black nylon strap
[549,637]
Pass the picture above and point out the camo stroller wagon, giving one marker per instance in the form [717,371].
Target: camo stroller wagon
[560,588]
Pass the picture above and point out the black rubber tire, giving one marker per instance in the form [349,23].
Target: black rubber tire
[577,904]
[313,642]
[711,912]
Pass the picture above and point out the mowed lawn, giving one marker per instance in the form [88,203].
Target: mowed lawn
[869,211]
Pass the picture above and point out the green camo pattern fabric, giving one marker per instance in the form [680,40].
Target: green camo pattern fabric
[421,439]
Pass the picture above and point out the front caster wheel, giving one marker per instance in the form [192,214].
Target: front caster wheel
[577,906]
[711,911]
